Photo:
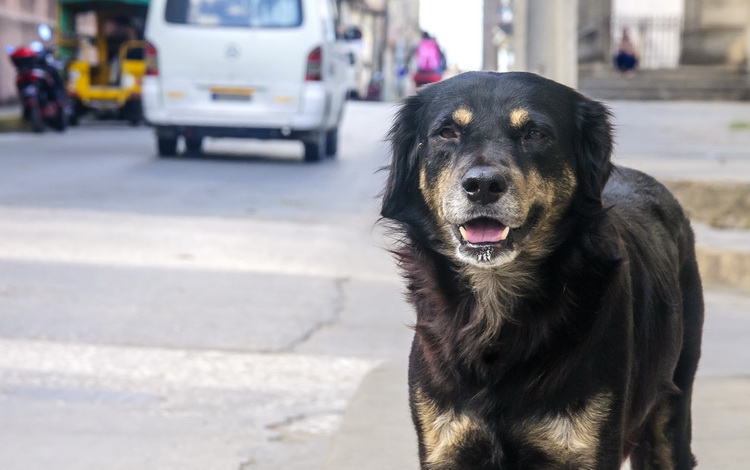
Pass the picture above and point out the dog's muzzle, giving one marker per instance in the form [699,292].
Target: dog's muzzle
[485,235]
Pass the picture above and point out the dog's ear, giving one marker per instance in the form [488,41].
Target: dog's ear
[593,148]
[402,185]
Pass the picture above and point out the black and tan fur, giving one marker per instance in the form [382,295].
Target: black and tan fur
[573,342]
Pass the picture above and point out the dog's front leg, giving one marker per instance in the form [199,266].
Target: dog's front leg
[610,451]
[448,438]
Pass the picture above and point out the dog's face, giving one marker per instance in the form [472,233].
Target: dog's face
[486,165]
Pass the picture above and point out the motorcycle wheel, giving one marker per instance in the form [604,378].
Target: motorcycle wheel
[60,121]
[36,119]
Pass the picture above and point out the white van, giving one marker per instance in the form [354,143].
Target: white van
[264,69]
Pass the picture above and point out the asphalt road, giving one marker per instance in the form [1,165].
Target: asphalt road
[219,312]
[212,312]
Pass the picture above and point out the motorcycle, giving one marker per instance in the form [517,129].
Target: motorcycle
[40,85]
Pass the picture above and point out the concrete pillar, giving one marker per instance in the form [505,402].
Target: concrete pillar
[520,33]
[595,31]
[489,49]
[548,46]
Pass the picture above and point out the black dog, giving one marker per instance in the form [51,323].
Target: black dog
[559,305]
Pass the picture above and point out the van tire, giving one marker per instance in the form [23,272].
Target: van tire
[167,146]
[315,148]
[193,145]
[332,142]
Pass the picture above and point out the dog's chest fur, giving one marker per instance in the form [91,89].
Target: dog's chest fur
[490,371]
[567,437]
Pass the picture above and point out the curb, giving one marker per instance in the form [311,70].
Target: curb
[718,203]
[376,432]
[724,268]
[720,215]
[723,256]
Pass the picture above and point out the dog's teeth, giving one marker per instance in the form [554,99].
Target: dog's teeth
[463,231]
[505,233]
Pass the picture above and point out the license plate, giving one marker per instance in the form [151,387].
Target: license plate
[231,94]
[103,104]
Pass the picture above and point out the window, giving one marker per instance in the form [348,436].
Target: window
[245,13]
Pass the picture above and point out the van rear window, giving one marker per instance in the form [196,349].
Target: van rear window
[247,13]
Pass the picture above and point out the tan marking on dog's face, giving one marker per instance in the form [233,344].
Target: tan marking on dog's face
[519,117]
[571,437]
[554,196]
[462,116]
[443,431]
[434,190]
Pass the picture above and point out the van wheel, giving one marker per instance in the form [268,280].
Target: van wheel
[167,146]
[332,142]
[193,145]
[315,149]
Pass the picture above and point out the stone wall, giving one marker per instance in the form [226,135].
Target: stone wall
[716,32]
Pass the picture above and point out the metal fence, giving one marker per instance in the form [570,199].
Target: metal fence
[657,39]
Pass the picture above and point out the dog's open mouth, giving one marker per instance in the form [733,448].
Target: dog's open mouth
[483,231]
[485,241]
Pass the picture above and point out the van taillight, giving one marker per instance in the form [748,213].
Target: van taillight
[315,66]
[152,64]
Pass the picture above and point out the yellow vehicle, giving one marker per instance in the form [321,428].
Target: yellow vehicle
[102,42]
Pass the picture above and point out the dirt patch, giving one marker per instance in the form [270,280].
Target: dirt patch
[11,124]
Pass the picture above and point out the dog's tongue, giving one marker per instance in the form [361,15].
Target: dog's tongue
[484,231]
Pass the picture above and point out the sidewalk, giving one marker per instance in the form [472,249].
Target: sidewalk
[377,432]
[701,152]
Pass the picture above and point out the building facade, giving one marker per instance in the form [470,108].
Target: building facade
[668,33]
[687,49]
[390,32]
[716,32]
[19,20]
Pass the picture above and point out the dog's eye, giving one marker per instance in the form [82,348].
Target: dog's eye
[535,134]
[449,132]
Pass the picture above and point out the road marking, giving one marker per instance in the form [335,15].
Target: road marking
[100,364]
[195,243]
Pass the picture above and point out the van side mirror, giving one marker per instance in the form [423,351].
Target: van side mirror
[352,33]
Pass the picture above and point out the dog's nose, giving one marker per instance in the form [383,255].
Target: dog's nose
[484,185]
